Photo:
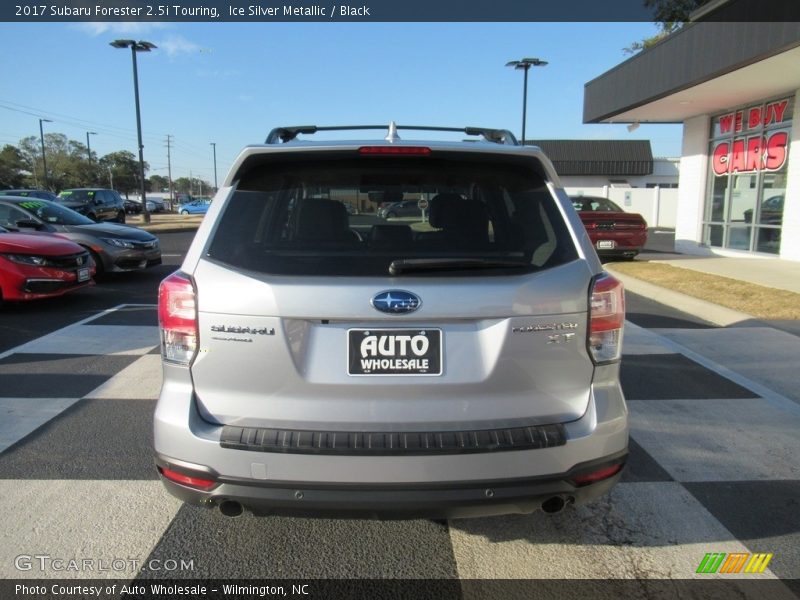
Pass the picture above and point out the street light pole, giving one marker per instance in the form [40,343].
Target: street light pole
[135,47]
[44,158]
[214,146]
[524,65]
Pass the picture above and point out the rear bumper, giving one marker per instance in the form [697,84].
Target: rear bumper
[398,486]
[453,500]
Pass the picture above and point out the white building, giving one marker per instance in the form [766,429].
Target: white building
[734,84]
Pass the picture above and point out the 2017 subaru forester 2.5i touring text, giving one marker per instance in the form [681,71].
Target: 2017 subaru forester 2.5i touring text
[324,361]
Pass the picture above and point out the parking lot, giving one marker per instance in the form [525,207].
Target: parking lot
[712,465]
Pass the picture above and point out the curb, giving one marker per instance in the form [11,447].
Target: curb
[708,311]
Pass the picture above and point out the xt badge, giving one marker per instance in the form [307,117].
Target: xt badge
[558,338]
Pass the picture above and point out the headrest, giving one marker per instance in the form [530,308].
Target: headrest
[319,218]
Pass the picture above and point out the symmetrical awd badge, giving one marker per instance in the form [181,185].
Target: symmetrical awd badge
[395,302]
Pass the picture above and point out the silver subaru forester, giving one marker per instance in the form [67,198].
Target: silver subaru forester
[459,360]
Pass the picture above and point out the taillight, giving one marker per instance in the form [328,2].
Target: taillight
[595,476]
[188,480]
[401,150]
[606,318]
[177,319]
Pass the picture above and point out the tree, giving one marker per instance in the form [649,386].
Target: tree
[67,163]
[194,186]
[123,168]
[13,167]
[158,183]
[670,15]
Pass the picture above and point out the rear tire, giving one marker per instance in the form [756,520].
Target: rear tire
[92,216]
[390,215]
[184,212]
[121,217]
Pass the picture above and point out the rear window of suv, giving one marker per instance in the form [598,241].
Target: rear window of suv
[320,216]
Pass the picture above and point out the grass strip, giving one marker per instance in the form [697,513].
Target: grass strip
[757,300]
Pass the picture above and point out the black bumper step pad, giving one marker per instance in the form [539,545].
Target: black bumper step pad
[392,443]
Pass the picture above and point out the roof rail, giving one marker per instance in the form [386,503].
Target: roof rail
[287,134]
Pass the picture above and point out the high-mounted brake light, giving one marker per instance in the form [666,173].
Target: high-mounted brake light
[396,150]
[606,319]
[177,319]
[187,480]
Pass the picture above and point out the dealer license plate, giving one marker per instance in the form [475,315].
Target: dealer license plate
[83,274]
[394,352]
[605,244]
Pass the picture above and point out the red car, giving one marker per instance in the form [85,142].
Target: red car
[614,232]
[41,266]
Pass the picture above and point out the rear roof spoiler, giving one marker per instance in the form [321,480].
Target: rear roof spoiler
[287,134]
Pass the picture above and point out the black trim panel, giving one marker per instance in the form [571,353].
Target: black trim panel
[392,443]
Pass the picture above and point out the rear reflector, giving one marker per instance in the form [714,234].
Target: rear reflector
[401,150]
[606,318]
[595,476]
[187,480]
[177,319]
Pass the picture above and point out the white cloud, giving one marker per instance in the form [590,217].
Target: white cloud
[133,28]
[177,44]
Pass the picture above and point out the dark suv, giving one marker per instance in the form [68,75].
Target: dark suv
[23,193]
[98,204]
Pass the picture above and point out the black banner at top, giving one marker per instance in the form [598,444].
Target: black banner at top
[380,10]
[323,10]
[344,10]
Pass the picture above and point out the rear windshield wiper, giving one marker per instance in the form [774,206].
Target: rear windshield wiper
[408,265]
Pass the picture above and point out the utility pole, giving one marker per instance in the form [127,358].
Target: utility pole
[214,146]
[44,158]
[169,169]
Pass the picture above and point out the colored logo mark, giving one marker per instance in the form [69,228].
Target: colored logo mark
[736,562]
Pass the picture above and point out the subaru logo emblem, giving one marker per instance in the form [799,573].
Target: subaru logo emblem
[395,302]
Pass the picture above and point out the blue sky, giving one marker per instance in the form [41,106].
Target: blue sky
[230,83]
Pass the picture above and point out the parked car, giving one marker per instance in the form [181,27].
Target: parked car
[114,248]
[406,208]
[155,205]
[184,198]
[319,365]
[98,204]
[771,211]
[135,206]
[614,232]
[24,193]
[197,207]
[34,266]
[132,207]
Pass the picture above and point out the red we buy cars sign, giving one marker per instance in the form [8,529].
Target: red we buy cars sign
[758,151]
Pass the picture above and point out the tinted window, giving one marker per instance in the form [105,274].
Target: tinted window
[9,215]
[291,218]
[53,213]
[77,195]
[592,204]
